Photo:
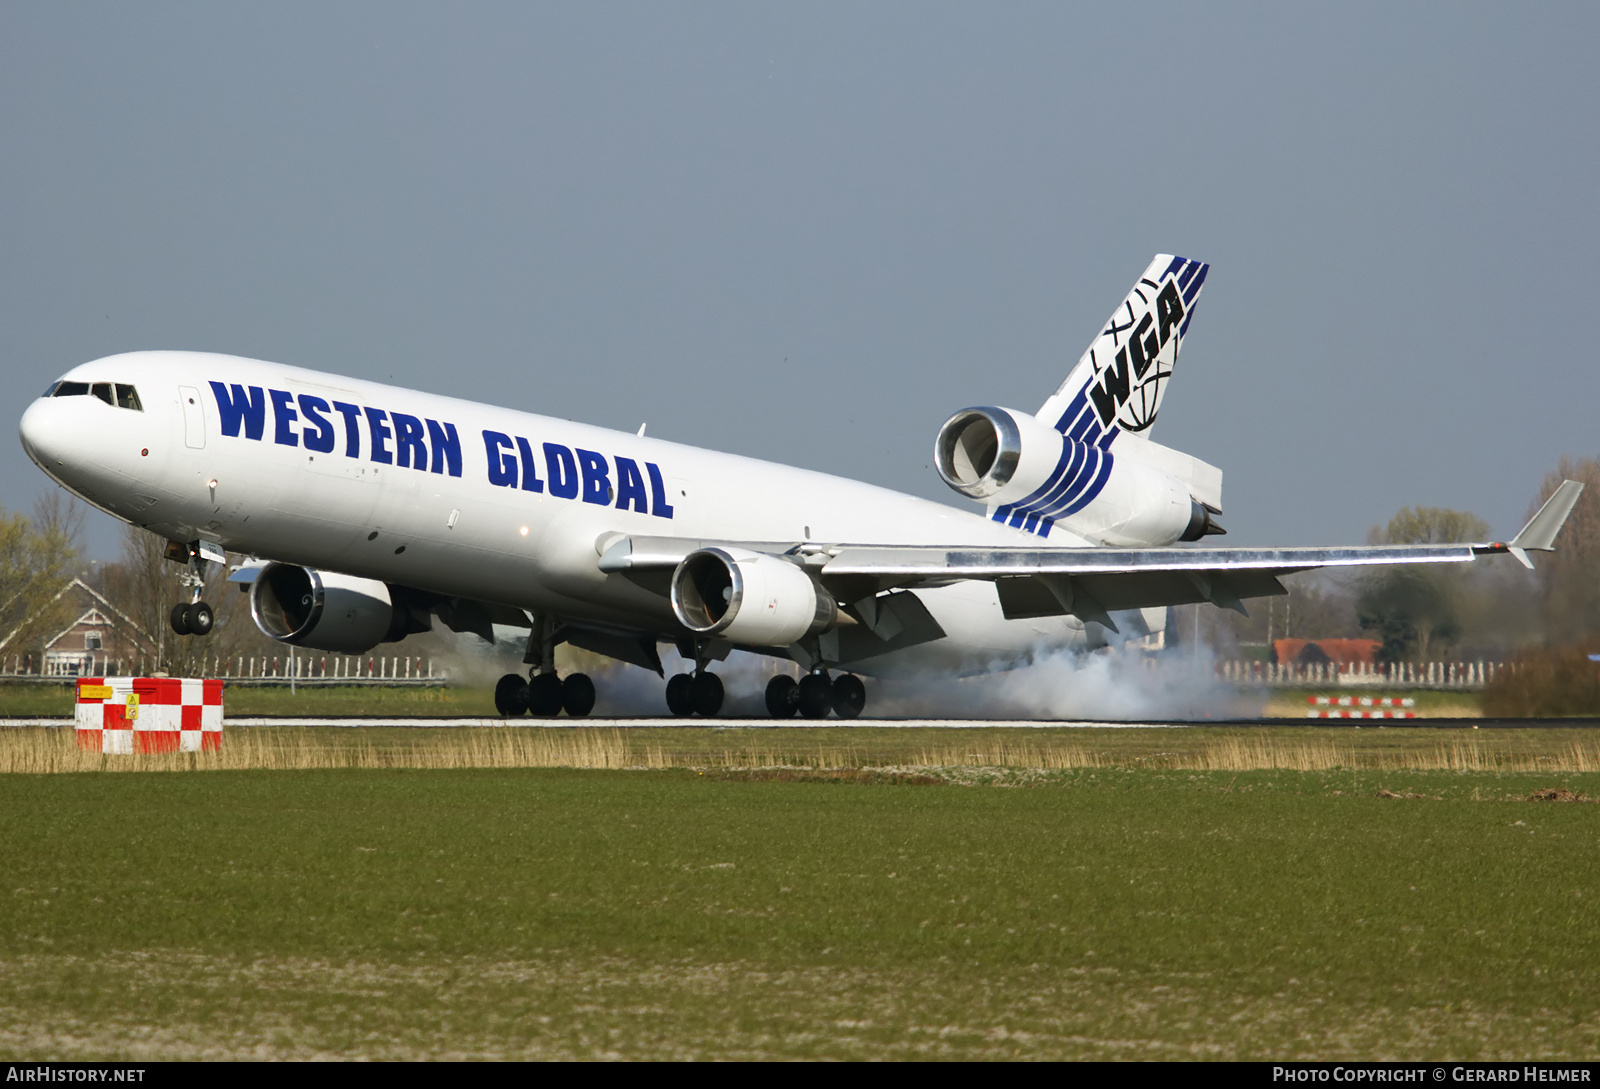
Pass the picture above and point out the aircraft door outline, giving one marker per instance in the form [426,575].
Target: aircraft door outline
[194,419]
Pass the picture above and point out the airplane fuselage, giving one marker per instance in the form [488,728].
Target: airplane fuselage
[470,500]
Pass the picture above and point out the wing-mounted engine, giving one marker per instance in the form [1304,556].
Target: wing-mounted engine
[324,610]
[1032,476]
[749,597]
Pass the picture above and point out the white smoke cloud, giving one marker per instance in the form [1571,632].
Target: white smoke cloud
[1114,685]
[1060,685]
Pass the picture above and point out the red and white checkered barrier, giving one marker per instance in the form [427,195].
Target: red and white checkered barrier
[1361,701]
[149,714]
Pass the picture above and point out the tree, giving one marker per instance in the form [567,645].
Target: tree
[38,556]
[1569,577]
[1416,611]
[1430,525]
[1546,682]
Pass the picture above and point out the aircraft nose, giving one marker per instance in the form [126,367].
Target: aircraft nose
[43,433]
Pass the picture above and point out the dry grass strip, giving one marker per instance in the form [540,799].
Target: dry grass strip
[44,750]
[1274,754]
[37,750]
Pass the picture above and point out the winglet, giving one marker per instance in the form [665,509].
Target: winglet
[1539,535]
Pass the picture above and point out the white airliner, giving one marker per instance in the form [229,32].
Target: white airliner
[372,510]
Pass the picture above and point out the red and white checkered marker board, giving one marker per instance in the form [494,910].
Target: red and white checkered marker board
[1361,701]
[149,714]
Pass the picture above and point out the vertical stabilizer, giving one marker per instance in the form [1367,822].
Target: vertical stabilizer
[1116,389]
[1118,383]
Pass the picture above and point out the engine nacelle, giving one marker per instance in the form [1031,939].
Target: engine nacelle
[997,455]
[322,610]
[1141,506]
[1007,458]
[748,597]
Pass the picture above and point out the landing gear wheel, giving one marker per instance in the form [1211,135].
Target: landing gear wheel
[199,618]
[679,699]
[511,696]
[180,619]
[706,694]
[849,695]
[815,695]
[544,695]
[577,695]
[783,696]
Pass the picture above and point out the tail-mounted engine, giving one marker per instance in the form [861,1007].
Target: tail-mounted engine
[996,455]
[1032,476]
[322,610]
[749,597]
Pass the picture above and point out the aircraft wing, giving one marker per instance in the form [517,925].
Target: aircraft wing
[1088,582]
[1094,582]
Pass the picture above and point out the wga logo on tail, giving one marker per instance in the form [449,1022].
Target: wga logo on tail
[1135,353]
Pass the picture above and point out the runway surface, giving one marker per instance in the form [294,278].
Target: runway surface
[666,722]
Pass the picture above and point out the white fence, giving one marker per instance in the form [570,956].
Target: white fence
[300,668]
[1360,675]
[323,669]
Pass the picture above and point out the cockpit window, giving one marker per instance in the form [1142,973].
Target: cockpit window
[118,394]
[51,392]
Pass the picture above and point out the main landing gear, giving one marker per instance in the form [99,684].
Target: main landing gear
[544,695]
[698,693]
[814,695]
[195,617]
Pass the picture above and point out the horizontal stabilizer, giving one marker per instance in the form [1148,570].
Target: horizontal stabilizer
[1203,481]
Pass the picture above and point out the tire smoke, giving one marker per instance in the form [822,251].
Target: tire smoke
[1116,684]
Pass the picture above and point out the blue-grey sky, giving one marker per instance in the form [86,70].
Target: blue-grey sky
[809,232]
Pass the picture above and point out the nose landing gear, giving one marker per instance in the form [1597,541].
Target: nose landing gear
[196,617]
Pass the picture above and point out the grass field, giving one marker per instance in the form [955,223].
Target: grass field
[863,894]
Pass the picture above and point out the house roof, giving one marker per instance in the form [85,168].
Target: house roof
[99,599]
